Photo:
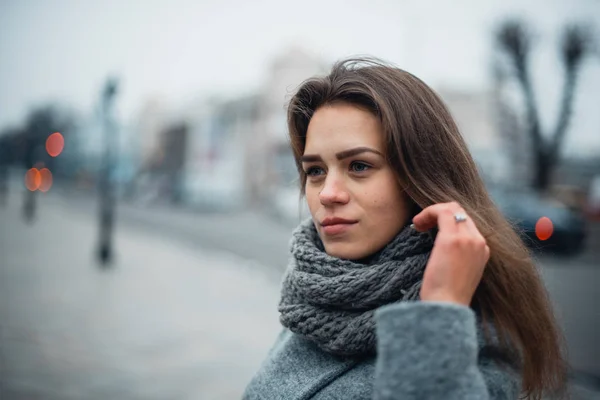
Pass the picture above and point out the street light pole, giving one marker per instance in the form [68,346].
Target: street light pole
[106,187]
[31,155]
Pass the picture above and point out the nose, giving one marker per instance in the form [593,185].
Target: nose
[333,192]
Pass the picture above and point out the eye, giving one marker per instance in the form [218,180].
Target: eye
[359,166]
[314,171]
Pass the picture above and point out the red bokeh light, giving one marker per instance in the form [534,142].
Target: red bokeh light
[544,228]
[55,144]
[33,179]
[46,180]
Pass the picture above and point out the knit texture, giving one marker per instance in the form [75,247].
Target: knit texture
[331,301]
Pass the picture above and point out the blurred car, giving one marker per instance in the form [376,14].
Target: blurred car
[524,208]
[593,199]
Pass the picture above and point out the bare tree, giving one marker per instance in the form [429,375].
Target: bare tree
[514,39]
[510,128]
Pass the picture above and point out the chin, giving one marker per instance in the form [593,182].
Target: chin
[346,251]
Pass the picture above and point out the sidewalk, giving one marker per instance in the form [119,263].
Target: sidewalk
[167,322]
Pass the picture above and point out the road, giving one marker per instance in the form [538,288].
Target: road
[189,308]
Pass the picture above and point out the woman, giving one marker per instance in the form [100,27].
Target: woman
[406,283]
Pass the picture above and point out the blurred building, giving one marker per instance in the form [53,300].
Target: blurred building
[226,153]
[160,159]
[230,153]
[217,170]
[276,183]
[85,148]
[151,120]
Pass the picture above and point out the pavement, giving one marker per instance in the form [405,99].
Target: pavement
[167,321]
[188,311]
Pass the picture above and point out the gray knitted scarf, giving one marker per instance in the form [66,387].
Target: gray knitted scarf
[332,301]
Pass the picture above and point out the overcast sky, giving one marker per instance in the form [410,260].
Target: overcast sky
[63,49]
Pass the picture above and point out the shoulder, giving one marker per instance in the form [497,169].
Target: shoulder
[296,368]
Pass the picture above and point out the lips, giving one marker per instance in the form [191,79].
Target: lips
[336,226]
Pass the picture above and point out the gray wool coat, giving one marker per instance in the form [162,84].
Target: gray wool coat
[425,350]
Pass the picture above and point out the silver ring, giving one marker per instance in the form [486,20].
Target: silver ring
[460,217]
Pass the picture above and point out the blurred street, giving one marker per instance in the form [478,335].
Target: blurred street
[168,322]
[187,311]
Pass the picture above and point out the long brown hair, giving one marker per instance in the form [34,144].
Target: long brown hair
[433,164]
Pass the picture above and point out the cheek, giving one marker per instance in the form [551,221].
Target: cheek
[312,199]
[386,200]
[382,206]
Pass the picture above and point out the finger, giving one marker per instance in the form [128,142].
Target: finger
[469,225]
[465,225]
[440,215]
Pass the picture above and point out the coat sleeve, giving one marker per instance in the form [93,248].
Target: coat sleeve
[430,350]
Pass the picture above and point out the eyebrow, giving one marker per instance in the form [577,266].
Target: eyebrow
[341,155]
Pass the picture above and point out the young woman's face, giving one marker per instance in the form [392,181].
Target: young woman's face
[352,192]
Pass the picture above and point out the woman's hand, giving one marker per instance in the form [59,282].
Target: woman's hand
[459,254]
